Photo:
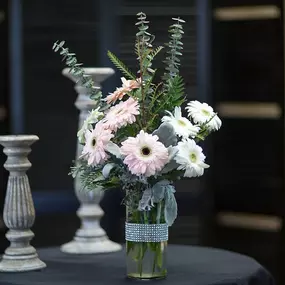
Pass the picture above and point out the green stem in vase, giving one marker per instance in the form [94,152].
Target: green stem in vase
[158,214]
[145,217]
[147,256]
[154,264]
[140,259]
[143,245]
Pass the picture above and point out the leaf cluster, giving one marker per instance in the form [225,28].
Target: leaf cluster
[154,98]
[167,99]
[120,65]
[91,177]
[144,48]
[174,51]
[75,68]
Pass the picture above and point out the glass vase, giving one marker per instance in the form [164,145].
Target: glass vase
[146,243]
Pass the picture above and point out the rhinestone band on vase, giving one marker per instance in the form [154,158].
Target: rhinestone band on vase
[146,232]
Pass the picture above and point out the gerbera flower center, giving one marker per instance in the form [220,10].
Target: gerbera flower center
[145,151]
[193,157]
[93,142]
[119,111]
[181,123]
[205,112]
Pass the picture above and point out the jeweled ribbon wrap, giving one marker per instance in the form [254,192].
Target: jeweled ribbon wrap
[146,232]
[158,232]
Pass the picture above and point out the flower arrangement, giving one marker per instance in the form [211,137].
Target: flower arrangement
[139,140]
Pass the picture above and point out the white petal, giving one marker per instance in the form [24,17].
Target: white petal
[124,80]
[177,113]
[190,172]
[204,165]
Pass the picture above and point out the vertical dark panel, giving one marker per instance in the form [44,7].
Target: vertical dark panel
[16,67]
[204,50]
[248,67]
[49,106]
[281,255]
[108,39]
[204,94]
[4,109]
[49,97]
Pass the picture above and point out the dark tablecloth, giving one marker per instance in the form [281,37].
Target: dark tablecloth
[187,265]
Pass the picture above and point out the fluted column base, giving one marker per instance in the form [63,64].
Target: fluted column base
[90,238]
[90,246]
[23,257]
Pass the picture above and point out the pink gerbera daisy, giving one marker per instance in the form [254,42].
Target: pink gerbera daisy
[129,85]
[121,114]
[116,95]
[144,154]
[95,146]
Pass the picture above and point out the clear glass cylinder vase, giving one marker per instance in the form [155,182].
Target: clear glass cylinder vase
[146,259]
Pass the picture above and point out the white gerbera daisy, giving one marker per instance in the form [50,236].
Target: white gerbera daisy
[191,158]
[182,126]
[92,118]
[202,113]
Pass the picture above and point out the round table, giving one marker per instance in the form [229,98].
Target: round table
[187,265]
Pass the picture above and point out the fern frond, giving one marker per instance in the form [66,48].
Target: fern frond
[166,99]
[176,92]
[174,96]
[156,51]
[120,65]
[155,95]
[91,177]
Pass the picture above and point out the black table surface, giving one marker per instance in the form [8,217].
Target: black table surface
[187,265]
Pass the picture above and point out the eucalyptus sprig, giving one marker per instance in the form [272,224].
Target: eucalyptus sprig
[85,80]
[144,47]
[175,47]
[145,55]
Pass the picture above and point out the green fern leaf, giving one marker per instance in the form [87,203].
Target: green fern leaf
[120,65]
[173,96]
[156,51]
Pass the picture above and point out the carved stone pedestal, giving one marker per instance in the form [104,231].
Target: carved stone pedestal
[19,211]
[90,238]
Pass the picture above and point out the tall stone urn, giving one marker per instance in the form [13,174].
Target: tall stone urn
[19,211]
[90,238]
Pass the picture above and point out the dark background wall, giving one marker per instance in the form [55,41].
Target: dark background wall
[230,63]
[48,97]
[248,177]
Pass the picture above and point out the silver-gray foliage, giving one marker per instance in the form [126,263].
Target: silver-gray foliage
[166,134]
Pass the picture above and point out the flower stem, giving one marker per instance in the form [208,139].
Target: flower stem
[158,214]
[141,78]
[154,265]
